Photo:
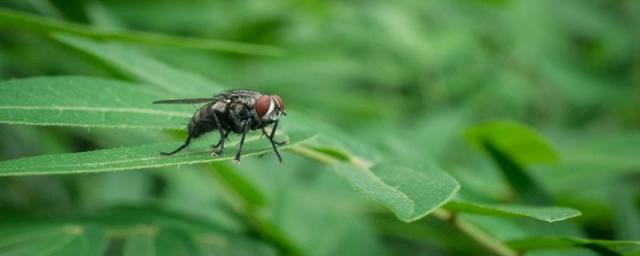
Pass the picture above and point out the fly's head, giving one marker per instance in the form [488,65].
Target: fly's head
[270,108]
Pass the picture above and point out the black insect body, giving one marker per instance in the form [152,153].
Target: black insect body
[237,111]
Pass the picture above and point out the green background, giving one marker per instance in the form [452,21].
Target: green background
[465,127]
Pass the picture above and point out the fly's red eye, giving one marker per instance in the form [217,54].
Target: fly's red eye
[262,105]
[279,101]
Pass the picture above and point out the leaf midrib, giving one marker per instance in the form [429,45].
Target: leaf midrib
[101,109]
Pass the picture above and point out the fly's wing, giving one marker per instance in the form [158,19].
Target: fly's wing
[184,101]
[217,97]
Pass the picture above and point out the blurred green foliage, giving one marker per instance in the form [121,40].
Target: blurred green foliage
[395,97]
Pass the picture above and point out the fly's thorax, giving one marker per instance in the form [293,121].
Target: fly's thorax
[220,106]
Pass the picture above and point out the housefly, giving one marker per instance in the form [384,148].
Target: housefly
[237,111]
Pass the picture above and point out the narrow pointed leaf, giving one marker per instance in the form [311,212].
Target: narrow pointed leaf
[15,19]
[138,157]
[87,102]
[543,213]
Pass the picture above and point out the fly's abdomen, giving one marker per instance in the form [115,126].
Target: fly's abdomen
[201,123]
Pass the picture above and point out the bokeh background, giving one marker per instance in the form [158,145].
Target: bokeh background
[404,77]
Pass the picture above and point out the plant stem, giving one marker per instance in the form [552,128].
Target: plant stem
[327,159]
[467,228]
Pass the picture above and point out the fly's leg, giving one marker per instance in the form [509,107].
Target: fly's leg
[270,137]
[184,145]
[273,132]
[221,141]
[245,129]
[218,147]
[273,142]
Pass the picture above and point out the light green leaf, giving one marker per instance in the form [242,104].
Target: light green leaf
[544,213]
[139,157]
[87,102]
[602,247]
[14,19]
[520,142]
[411,191]
[136,65]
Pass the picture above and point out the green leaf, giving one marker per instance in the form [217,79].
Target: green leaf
[135,64]
[512,146]
[139,157]
[141,243]
[69,239]
[14,19]
[543,213]
[87,102]
[142,231]
[520,142]
[602,247]
[154,242]
[411,191]
[525,187]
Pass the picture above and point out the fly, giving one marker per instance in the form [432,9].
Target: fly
[237,111]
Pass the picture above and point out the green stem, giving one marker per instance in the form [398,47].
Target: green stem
[327,159]
[467,228]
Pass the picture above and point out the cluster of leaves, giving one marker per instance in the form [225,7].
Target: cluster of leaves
[411,121]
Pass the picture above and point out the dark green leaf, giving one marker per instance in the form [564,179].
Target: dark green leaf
[70,239]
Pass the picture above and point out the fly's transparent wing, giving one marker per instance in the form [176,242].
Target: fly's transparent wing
[184,101]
